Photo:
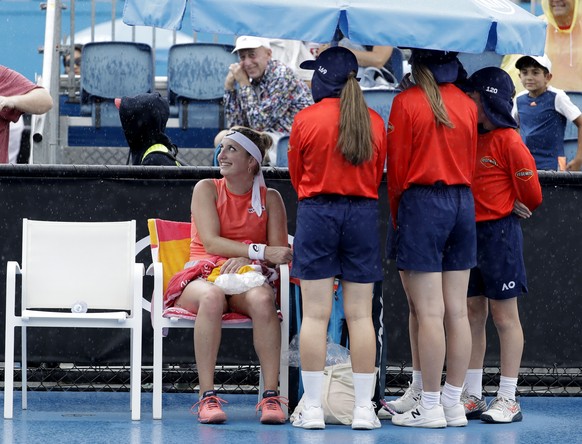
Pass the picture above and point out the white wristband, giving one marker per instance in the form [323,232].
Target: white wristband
[257,251]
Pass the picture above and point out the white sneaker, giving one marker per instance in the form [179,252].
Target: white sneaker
[310,418]
[474,406]
[502,410]
[406,402]
[384,413]
[456,415]
[420,417]
[365,418]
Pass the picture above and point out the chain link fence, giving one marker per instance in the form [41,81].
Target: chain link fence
[183,378]
[118,156]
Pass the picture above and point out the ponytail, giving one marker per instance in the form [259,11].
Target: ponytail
[355,131]
[425,79]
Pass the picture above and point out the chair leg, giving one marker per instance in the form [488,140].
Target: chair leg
[157,376]
[9,372]
[284,368]
[284,385]
[135,371]
[24,368]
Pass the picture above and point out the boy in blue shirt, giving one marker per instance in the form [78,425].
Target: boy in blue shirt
[543,112]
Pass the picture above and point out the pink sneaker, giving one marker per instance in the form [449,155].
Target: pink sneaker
[270,406]
[210,408]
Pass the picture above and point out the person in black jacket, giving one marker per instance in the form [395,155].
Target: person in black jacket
[144,119]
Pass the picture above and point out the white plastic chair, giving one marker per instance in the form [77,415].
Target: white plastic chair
[64,266]
[174,234]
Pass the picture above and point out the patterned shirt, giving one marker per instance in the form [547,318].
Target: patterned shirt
[269,104]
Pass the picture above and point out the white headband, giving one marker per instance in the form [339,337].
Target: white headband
[259,180]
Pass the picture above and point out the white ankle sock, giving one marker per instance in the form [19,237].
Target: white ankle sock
[474,382]
[429,399]
[451,395]
[312,387]
[416,379]
[507,387]
[363,389]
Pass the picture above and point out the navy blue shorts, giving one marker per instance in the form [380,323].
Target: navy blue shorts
[391,246]
[500,270]
[436,229]
[337,236]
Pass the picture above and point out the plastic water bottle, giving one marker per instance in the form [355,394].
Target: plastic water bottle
[79,307]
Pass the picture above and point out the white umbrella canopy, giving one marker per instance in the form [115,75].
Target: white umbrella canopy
[470,26]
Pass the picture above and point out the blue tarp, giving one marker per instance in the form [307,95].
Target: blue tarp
[471,26]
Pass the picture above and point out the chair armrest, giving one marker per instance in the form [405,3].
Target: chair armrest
[158,294]
[12,269]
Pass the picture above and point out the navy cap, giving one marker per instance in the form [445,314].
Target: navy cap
[497,90]
[332,68]
[444,65]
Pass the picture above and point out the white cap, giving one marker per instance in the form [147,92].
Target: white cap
[544,61]
[250,42]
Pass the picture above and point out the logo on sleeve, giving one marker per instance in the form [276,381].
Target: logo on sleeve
[488,162]
[524,174]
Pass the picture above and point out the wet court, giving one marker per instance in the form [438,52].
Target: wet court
[101,417]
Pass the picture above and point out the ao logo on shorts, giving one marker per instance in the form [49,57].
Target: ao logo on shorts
[508,286]
[501,6]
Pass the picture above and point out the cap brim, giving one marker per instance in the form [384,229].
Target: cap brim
[308,64]
[529,60]
[522,60]
[237,48]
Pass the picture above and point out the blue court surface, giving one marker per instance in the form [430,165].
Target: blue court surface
[90,417]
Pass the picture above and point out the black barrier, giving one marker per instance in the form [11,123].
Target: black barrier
[552,239]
